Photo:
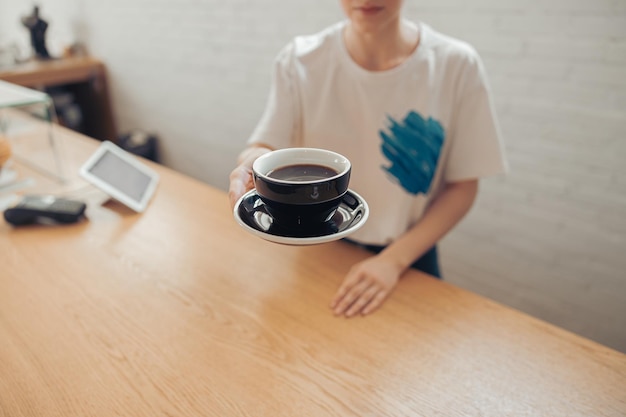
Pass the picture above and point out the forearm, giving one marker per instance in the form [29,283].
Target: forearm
[442,215]
[252,152]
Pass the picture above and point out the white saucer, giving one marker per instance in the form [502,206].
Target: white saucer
[251,214]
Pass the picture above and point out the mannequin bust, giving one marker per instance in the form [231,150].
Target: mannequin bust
[37,27]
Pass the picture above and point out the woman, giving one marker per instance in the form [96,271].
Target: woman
[411,109]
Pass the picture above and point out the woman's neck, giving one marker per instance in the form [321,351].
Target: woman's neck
[384,49]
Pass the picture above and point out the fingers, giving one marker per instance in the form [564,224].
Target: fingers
[375,302]
[347,284]
[362,301]
[348,295]
[358,297]
[241,177]
[235,191]
[366,287]
[240,182]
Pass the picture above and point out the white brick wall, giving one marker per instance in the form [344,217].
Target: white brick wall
[548,239]
[194,72]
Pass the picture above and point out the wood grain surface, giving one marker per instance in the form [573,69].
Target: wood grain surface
[180,312]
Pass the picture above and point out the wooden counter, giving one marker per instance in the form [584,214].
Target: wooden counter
[180,312]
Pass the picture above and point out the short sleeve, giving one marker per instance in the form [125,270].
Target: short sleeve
[278,125]
[476,148]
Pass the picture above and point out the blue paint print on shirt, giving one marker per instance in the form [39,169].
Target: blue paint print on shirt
[413,147]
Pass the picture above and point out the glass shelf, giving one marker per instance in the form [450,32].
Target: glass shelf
[26,121]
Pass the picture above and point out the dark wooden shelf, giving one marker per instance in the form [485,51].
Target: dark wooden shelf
[84,77]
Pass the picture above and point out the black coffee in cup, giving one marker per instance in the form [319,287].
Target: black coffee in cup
[302,172]
[301,187]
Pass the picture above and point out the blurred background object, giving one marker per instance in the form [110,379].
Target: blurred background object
[37,28]
[140,143]
[5,150]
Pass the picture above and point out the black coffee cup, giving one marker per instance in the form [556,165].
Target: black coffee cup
[301,187]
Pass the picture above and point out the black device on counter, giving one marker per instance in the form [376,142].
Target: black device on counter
[45,209]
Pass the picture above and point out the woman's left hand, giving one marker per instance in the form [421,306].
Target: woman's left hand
[366,286]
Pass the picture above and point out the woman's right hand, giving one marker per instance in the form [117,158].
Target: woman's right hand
[241,177]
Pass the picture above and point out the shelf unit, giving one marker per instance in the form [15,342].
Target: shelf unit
[84,77]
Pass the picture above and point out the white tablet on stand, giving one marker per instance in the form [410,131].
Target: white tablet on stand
[121,175]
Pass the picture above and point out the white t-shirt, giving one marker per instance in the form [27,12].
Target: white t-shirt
[407,131]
